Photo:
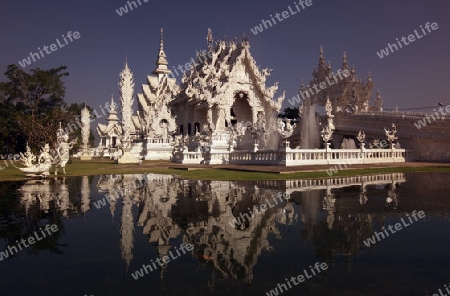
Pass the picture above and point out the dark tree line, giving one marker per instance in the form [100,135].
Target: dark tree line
[32,106]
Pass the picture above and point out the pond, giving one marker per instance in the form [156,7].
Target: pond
[148,234]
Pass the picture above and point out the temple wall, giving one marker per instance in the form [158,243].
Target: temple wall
[429,143]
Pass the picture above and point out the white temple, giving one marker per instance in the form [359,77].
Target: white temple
[223,112]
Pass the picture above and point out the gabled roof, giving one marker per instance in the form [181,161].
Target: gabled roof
[225,63]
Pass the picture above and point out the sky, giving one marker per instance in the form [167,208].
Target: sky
[413,76]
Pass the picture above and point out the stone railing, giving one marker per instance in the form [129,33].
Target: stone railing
[198,157]
[415,115]
[258,157]
[160,142]
[294,157]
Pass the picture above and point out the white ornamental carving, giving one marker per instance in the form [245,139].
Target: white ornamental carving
[126,89]
[85,125]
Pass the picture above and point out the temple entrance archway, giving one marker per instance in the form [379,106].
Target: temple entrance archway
[241,111]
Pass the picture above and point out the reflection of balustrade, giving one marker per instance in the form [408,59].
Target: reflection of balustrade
[308,184]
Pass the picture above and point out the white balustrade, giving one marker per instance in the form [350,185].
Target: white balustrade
[293,157]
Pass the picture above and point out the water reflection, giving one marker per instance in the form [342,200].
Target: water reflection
[201,212]
[334,215]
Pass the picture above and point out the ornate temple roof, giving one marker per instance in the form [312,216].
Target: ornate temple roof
[113,126]
[226,65]
[347,91]
[159,91]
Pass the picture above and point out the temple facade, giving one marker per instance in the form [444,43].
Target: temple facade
[223,112]
[109,133]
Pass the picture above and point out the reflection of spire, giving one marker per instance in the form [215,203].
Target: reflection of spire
[112,206]
[62,198]
[363,195]
[162,251]
[391,200]
[200,212]
[329,205]
[85,191]
[127,230]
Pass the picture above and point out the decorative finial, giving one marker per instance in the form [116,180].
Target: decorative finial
[302,87]
[322,64]
[209,37]
[161,62]
[161,42]
[344,61]
[112,107]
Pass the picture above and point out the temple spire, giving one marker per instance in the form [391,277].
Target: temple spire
[112,111]
[126,89]
[322,63]
[369,77]
[112,107]
[209,39]
[344,62]
[161,62]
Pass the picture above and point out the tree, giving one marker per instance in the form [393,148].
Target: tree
[38,100]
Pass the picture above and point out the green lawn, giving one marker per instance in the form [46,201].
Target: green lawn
[96,167]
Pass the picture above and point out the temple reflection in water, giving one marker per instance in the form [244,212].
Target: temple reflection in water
[336,214]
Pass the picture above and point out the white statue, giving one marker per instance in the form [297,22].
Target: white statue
[27,158]
[326,134]
[361,136]
[62,153]
[44,163]
[391,134]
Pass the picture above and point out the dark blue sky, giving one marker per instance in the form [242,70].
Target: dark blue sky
[414,76]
